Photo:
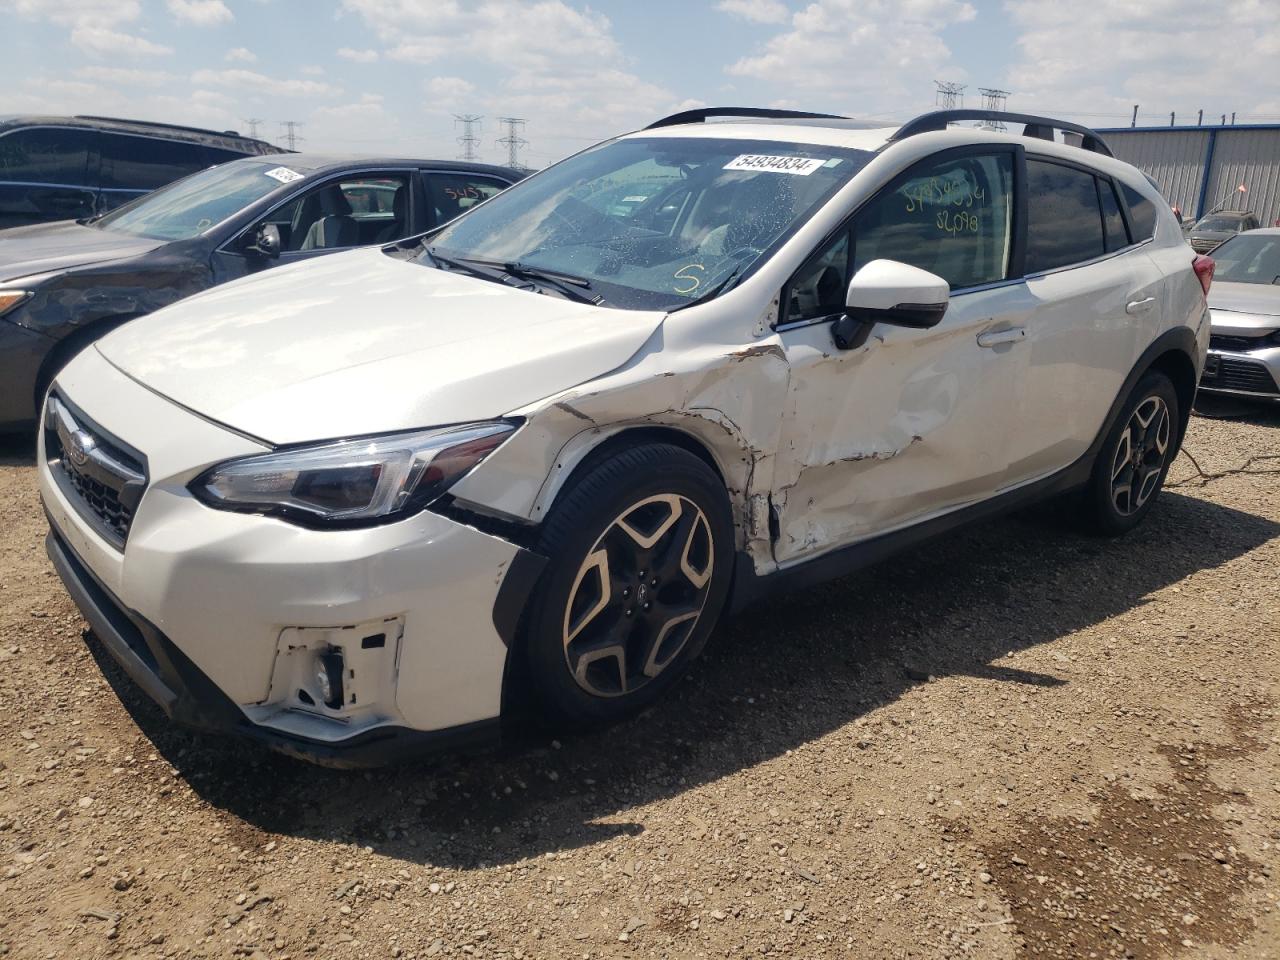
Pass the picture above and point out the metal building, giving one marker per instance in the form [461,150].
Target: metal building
[1201,169]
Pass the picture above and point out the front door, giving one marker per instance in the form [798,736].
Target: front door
[914,422]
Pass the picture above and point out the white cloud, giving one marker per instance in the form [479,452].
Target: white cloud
[1166,55]
[125,76]
[203,13]
[241,55]
[312,70]
[876,50]
[93,24]
[757,11]
[103,41]
[251,81]
[449,88]
[358,56]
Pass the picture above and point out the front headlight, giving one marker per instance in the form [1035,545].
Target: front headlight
[352,482]
[9,299]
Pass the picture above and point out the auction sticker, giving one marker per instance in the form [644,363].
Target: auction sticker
[284,174]
[801,166]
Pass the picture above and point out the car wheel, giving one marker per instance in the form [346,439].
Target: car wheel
[1136,456]
[641,553]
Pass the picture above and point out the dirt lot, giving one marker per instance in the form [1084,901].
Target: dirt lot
[1017,742]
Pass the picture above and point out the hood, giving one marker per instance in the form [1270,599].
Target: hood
[1244,309]
[361,343]
[47,247]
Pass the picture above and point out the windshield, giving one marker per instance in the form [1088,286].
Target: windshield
[1248,258]
[1226,224]
[191,206]
[653,223]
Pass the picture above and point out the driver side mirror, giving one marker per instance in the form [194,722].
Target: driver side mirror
[886,291]
[265,241]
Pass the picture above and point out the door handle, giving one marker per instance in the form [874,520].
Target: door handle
[994,338]
[1140,306]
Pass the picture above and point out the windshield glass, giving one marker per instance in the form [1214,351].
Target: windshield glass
[191,206]
[653,223]
[1227,224]
[1248,258]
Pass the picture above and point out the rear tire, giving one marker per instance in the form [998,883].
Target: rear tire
[1135,457]
[641,555]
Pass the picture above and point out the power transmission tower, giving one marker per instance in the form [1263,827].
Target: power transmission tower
[290,134]
[513,141]
[470,138]
[993,100]
[950,95]
[254,123]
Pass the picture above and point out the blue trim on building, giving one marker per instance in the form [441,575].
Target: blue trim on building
[1208,170]
[1207,126]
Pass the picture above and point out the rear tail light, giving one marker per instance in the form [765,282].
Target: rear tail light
[1203,266]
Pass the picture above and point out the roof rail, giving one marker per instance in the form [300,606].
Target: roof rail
[1039,127]
[163,126]
[703,114]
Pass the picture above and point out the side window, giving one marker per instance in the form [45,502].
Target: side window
[1112,221]
[348,212]
[144,163]
[951,216]
[1064,224]
[455,193]
[50,155]
[1142,213]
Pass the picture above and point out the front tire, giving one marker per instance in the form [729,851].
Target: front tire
[641,555]
[1136,456]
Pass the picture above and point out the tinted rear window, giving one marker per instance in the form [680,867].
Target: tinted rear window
[53,155]
[1064,225]
[1142,213]
[144,163]
[1112,221]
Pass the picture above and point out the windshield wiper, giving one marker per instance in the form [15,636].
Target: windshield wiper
[718,289]
[572,286]
[463,264]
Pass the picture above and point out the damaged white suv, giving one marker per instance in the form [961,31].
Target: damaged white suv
[350,507]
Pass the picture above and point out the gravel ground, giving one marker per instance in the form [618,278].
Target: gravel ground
[1016,742]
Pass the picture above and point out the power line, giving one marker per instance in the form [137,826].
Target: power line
[950,95]
[470,138]
[513,141]
[290,134]
[993,99]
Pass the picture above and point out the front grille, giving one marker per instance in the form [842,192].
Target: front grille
[1235,373]
[103,477]
[1241,344]
[1204,246]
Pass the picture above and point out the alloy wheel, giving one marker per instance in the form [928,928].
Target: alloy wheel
[1140,456]
[638,595]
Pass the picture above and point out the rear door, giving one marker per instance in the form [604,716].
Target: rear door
[1097,303]
[451,193]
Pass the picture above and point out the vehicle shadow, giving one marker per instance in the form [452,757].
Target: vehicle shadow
[784,674]
[1259,412]
[17,449]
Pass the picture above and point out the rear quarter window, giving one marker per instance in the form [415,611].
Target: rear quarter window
[1142,214]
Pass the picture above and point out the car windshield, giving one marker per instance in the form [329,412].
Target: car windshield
[1219,223]
[191,206]
[1248,258]
[652,222]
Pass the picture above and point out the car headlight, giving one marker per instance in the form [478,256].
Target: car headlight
[9,299]
[352,482]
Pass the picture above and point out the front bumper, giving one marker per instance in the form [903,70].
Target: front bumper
[217,615]
[1253,374]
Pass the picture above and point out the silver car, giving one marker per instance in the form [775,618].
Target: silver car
[1244,349]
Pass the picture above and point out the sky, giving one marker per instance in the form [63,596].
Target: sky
[388,76]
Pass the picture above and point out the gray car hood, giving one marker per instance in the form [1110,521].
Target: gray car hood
[48,247]
[362,343]
[1244,309]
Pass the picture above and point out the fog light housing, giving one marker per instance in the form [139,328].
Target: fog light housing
[328,679]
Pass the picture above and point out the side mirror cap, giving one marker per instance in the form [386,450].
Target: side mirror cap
[886,291]
[266,241]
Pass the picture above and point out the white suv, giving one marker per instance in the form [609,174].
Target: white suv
[349,507]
